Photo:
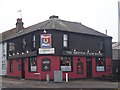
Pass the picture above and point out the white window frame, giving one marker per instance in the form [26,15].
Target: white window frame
[65,40]
[34,40]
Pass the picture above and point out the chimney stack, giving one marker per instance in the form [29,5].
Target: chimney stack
[19,25]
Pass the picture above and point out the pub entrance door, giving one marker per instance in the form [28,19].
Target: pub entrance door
[23,68]
[89,67]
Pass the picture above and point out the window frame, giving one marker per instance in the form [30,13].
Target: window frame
[3,65]
[33,41]
[65,40]
[30,60]
[62,67]
[11,47]
[3,48]
[100,67]
[24,43]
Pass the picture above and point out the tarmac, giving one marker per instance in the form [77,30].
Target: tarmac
[21,83]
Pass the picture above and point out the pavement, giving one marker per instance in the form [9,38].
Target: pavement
[20,83]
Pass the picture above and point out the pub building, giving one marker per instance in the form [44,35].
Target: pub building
[55,44]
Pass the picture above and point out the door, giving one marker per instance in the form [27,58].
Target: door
[23,68]
[89,67]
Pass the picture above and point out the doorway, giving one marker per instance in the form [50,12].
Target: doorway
[89,67]
[23,68]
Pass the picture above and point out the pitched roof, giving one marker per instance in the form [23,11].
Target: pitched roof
[116,45]
[62,25]
[0,37]
[56,24]
[9,34]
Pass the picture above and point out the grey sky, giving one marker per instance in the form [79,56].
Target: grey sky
[97,14]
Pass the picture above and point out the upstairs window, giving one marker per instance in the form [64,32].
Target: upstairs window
[11,48]
[3,47]
[65,40]
[24,43]
[101,46]
[33,41]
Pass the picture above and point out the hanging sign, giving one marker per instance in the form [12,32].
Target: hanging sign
[45,40]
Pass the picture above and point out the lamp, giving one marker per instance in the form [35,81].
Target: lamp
[44,31]
[17,52]
[99,52]
[27,51]
[88,51]
[13,53]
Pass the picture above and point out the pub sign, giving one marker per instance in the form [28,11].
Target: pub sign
[45,40]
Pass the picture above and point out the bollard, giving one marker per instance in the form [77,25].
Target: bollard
[66,77]
[47,78]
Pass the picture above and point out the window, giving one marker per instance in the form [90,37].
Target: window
[65,40]
[33,41]
[100,64]
[66,63]
[11,65]
[3,47]
[23,43]
[11,47]
[3,65]
[101,46]
[45,64]
[32,64]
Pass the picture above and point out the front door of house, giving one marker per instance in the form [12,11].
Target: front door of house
[23,68]
[89,67]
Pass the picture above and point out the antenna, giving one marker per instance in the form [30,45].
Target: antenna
[106,32]
[20,11]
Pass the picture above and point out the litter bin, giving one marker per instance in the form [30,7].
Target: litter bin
[58,76]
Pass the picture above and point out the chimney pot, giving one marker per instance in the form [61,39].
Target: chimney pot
[53,16]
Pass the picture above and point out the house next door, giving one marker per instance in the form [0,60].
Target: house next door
[89,67]
[23,68]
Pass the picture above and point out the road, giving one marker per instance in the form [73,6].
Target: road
[17,83]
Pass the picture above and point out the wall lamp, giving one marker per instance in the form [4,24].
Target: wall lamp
[88,51]
[44,31]
[27,51]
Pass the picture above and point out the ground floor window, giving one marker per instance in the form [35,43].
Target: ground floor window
[100,65]
[66,63]
[32,64]
[3,65]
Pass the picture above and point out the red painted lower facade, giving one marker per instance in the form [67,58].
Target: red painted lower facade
[55,65]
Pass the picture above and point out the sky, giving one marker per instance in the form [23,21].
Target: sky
[99,15]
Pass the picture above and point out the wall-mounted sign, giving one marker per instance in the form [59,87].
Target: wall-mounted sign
[79,53]
[65,68]
[46,51]
[45,64]
[45,40]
